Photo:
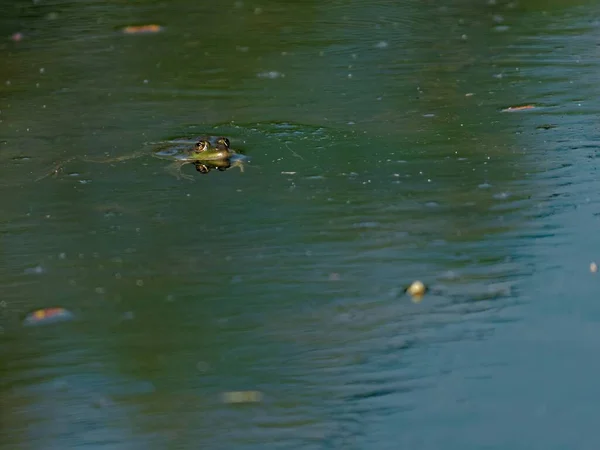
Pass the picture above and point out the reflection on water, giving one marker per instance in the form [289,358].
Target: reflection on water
[268,306]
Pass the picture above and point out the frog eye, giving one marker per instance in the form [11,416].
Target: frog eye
[201,144]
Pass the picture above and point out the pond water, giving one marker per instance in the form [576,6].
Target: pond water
[382,152]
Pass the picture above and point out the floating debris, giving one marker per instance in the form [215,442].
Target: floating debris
[16,37]
[21,158]
[546,126]
[142,29]
[416,290]
[593,267]
[518,108]
[48,315]
[236,397]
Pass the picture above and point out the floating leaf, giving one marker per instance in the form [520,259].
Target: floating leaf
[518,108]
[242,397]
[142,29]
[48,315]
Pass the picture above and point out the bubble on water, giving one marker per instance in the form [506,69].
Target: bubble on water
[61,385]
[501,196]
[366,225]
[484,186]
[34,270]
[273,74]
[100,290]
[382,44]
[139,283]
[128,315]
[449,275]
[101,402]
[202,366]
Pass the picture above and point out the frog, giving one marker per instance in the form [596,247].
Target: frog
[222,147]
[206,154]
[205,157]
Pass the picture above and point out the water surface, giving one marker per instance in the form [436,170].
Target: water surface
[380,154]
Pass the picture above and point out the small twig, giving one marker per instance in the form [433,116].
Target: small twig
[293,152]
[56,169]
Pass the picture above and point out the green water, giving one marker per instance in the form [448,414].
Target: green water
[379,155]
